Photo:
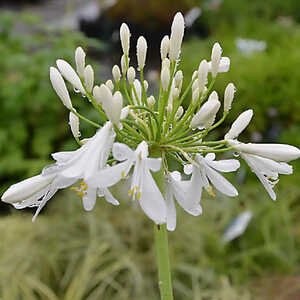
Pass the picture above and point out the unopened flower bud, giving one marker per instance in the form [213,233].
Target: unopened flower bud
[146,85]
[74,124]
[124,65]
[178,78]
[131,75]
[116,73]
[215,59]
[164,47]
[177,32]
[165,78]
[195,75]
[116,107]
[228,96]
[80,61]
[179,113]
[239,124]
[125,38]
[205,117]
[141,52]
[109,84]
[175,93]
[195,84]
[89,78]
[165,63]
[60,88]
[202,74]
[97,95]
[195,95]
[169,108]
[151,101]
[69,73]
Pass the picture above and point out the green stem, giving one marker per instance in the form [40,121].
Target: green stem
[162,252]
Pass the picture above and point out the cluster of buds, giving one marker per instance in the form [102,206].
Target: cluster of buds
[138,135]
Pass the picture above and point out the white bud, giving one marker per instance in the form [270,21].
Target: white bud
[195,84]
[164,47]
[175,93]
[138,89]
[177,32]
[239,124]
[141,52]
[195,75]
[165,63]
[202,74]
[131,75]
[124,64]
[195,95]
[169,108]
[116,73]
[69,73]
[97,95]
[179,113]
[117,104]
[80,61]
[60,88]
[228,96]
[146,85]
[105,97]
[178,79]
[224,65]
[109,84]
[151,101]
[216,54]
[125,38]
[89,78]
[205,117]
[74,124]
[165,78]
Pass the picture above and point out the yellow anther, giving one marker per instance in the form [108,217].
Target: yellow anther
[138,196]
[81,194]
[123,174]
[137,188]
[75,188]
[130,192]
[83,186]
[210,191]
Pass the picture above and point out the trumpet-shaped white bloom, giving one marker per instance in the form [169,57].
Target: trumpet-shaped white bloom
[206,171]
[186,195]
[143,187]
[224,65]
[70,167]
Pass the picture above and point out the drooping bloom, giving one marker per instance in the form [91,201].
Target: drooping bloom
[206,171]
[186,196]
[267,161]
[71,166]
[143,187]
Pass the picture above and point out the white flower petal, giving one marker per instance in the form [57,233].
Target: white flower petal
[89,200]
[220,183]
[188,169]
[225,165]
[122,152]
[154,164]
[171,209]
[152,201]
[109,197]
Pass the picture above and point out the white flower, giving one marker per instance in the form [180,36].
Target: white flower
[70,167]
[131,75]
[239,124]
[177,32]
[202,74]
[205,117]
[60,88]
[224,65]
[138,88]
[80,61]
[164,47]
[143,187]
[237,226]
[215,59]
[228,96]
[141,52]
[206,171]
[125,38]
[69,73]
[74,124]
[116,73]
[187,197]
[165,78]
[89,78]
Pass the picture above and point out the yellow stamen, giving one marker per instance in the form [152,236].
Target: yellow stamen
[130,192]
[210,191]
[123,174]
[81,194]
[138,196]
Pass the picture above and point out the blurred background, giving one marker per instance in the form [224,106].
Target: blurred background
[109,253]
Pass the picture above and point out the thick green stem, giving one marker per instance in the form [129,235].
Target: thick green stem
[162,252]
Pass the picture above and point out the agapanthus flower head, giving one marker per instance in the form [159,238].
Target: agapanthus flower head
[138,135]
